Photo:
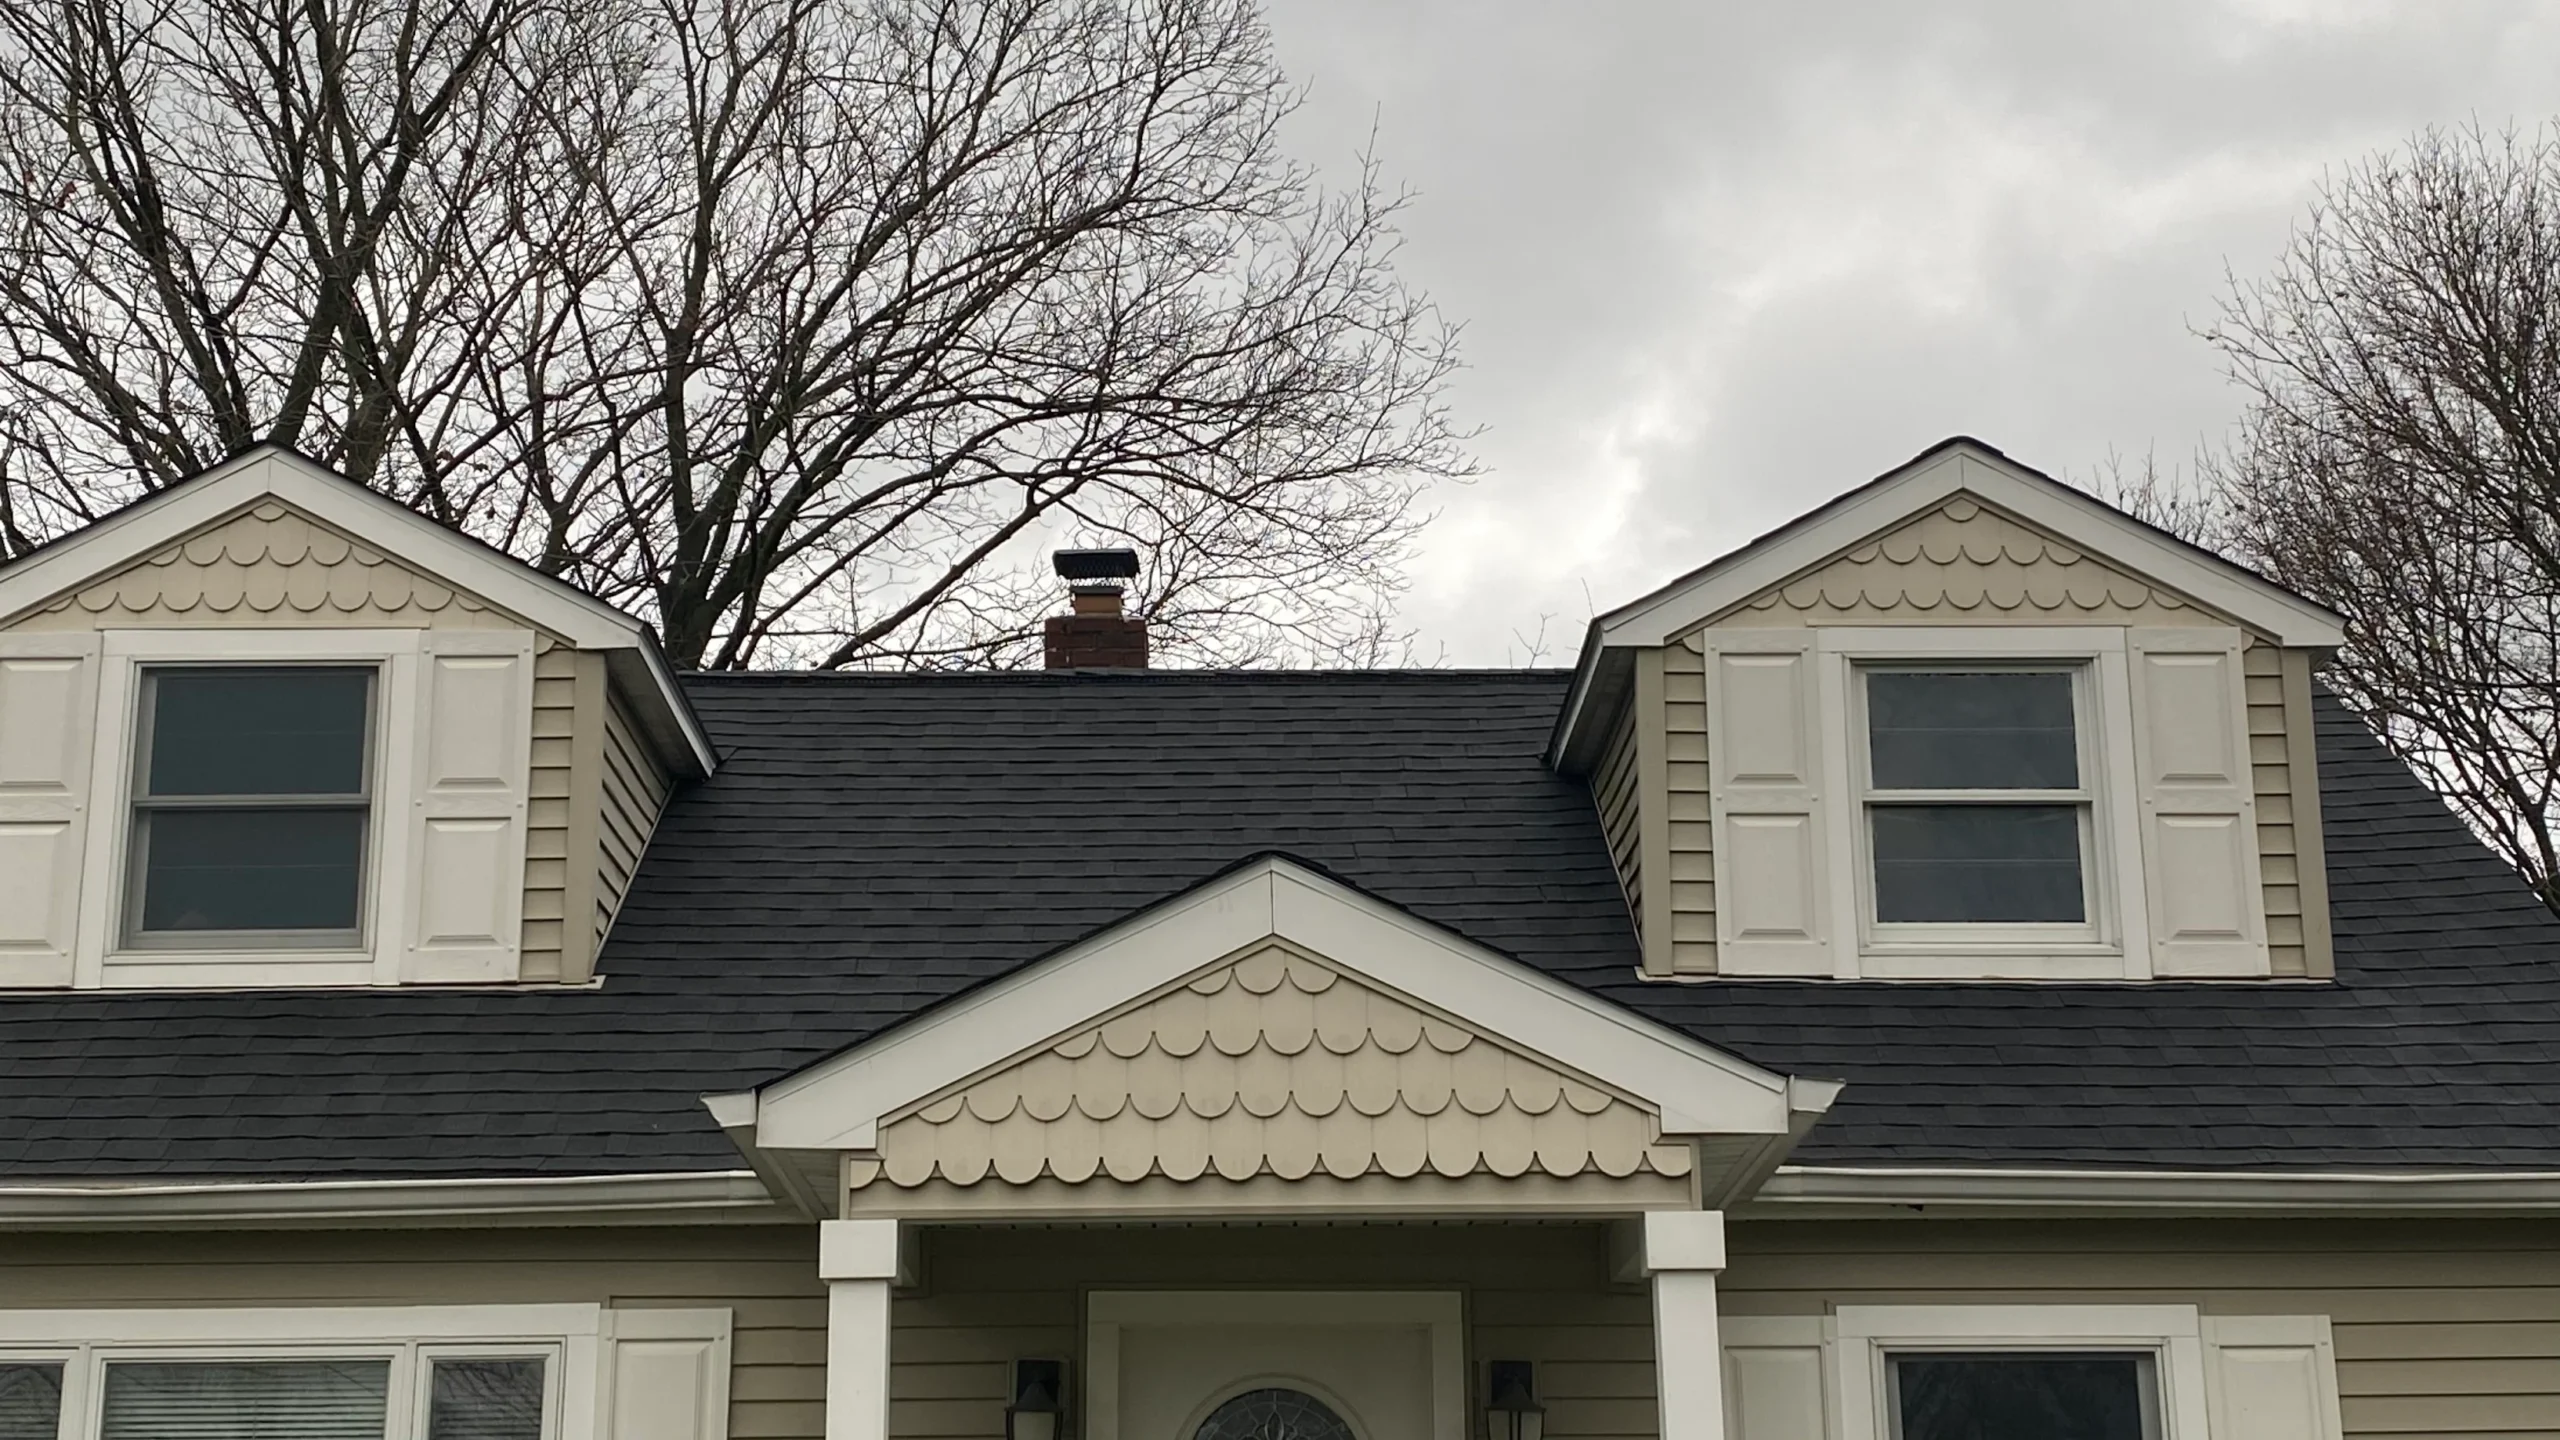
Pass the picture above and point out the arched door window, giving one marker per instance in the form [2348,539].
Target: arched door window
[1274,1413]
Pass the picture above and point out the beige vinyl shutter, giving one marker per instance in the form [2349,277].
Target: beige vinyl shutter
[2192,787]
[48,716]
[1764,767]
[1773,1378]
[2271,1377]
[664,1375]
[467,804]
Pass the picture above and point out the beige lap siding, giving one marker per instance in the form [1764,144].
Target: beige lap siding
[546,839]
[2443,1328]
[634,792]
[1614,790]
[1533,1293]
[766,1275]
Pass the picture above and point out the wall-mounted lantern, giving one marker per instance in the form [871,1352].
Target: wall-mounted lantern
[1039,1408]
[1512,1411]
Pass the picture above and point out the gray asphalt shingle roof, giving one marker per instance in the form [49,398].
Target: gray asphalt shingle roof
[874,844]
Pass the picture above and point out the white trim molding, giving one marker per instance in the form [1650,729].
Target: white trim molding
[839,1103]
[717,1197]
[1846,1190]
[1870,1335]
[568,1339]
[160,520]
[1442,1313]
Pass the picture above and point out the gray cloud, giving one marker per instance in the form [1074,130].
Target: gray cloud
[1719,262]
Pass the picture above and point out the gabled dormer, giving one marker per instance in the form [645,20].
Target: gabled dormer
[267,727]
[1963,723]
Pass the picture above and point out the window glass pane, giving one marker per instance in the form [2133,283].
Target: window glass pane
[246,1400]
[1988,864]
[2021,1397]
[252,869]
[485,1400]
[30,1401]
[258,732]
[1994,730]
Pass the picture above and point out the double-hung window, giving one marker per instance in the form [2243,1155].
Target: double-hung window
[1976,807]
[2032,1395]
[198,1387]
[253,799]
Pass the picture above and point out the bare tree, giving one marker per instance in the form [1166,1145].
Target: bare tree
[2400,462]
[796,324]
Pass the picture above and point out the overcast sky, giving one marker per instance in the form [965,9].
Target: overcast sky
[1718,262]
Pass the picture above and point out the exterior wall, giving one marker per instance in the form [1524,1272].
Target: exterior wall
[766,1275]
[1961,564]
[2443,1329]
[272,567]
[1614,790]
[634,789]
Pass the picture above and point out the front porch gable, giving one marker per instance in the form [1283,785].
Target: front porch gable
[1274,1042]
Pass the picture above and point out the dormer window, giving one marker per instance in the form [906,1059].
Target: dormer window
[1977,802]
[252,804]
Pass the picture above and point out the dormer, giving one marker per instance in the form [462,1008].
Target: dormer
[1967,723]
[268,728]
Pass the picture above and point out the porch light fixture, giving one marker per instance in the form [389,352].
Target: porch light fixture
[1512,1411]
[1039,1408]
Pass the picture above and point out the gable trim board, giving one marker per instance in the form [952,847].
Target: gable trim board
[1948,1193]
[840,1103]
[171,515]
[1945,471]
[707,1197]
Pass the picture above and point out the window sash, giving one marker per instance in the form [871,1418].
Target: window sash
[406,1405]
[144,804]
[2146,1374]
[2089,931]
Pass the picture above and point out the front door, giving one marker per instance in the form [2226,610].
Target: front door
[1275,1365]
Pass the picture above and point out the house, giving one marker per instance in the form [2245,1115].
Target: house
[1943,971]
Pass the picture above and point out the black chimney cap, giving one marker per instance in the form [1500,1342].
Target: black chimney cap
[1120,564]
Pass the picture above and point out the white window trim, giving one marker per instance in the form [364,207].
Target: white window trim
[1441,1313]
[101,961]
[2119,914]
[1868,1334]
[83,1342]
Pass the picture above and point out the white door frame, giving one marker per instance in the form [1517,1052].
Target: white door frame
[1442,1312]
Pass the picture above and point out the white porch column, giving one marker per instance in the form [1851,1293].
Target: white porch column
[1683,1250]
[858,1259]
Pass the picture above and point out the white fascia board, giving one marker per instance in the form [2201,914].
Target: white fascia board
[2082,520]
[150,525]
[1798,1190]
[683,1197]
[839,1103]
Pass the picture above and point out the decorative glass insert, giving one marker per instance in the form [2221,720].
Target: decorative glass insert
[1274,1413]
[1976,806]
[251,801]
[2025,1397]
[30,1400]
[246,1400]
[485,1400]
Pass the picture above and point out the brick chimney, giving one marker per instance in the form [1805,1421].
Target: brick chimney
[1095,634]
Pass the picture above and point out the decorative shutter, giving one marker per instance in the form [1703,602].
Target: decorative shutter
[1764,762]
[467,803]
[2199,819]
[48,714]
[664,1375]
[2271,1377]
[1773,1386]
